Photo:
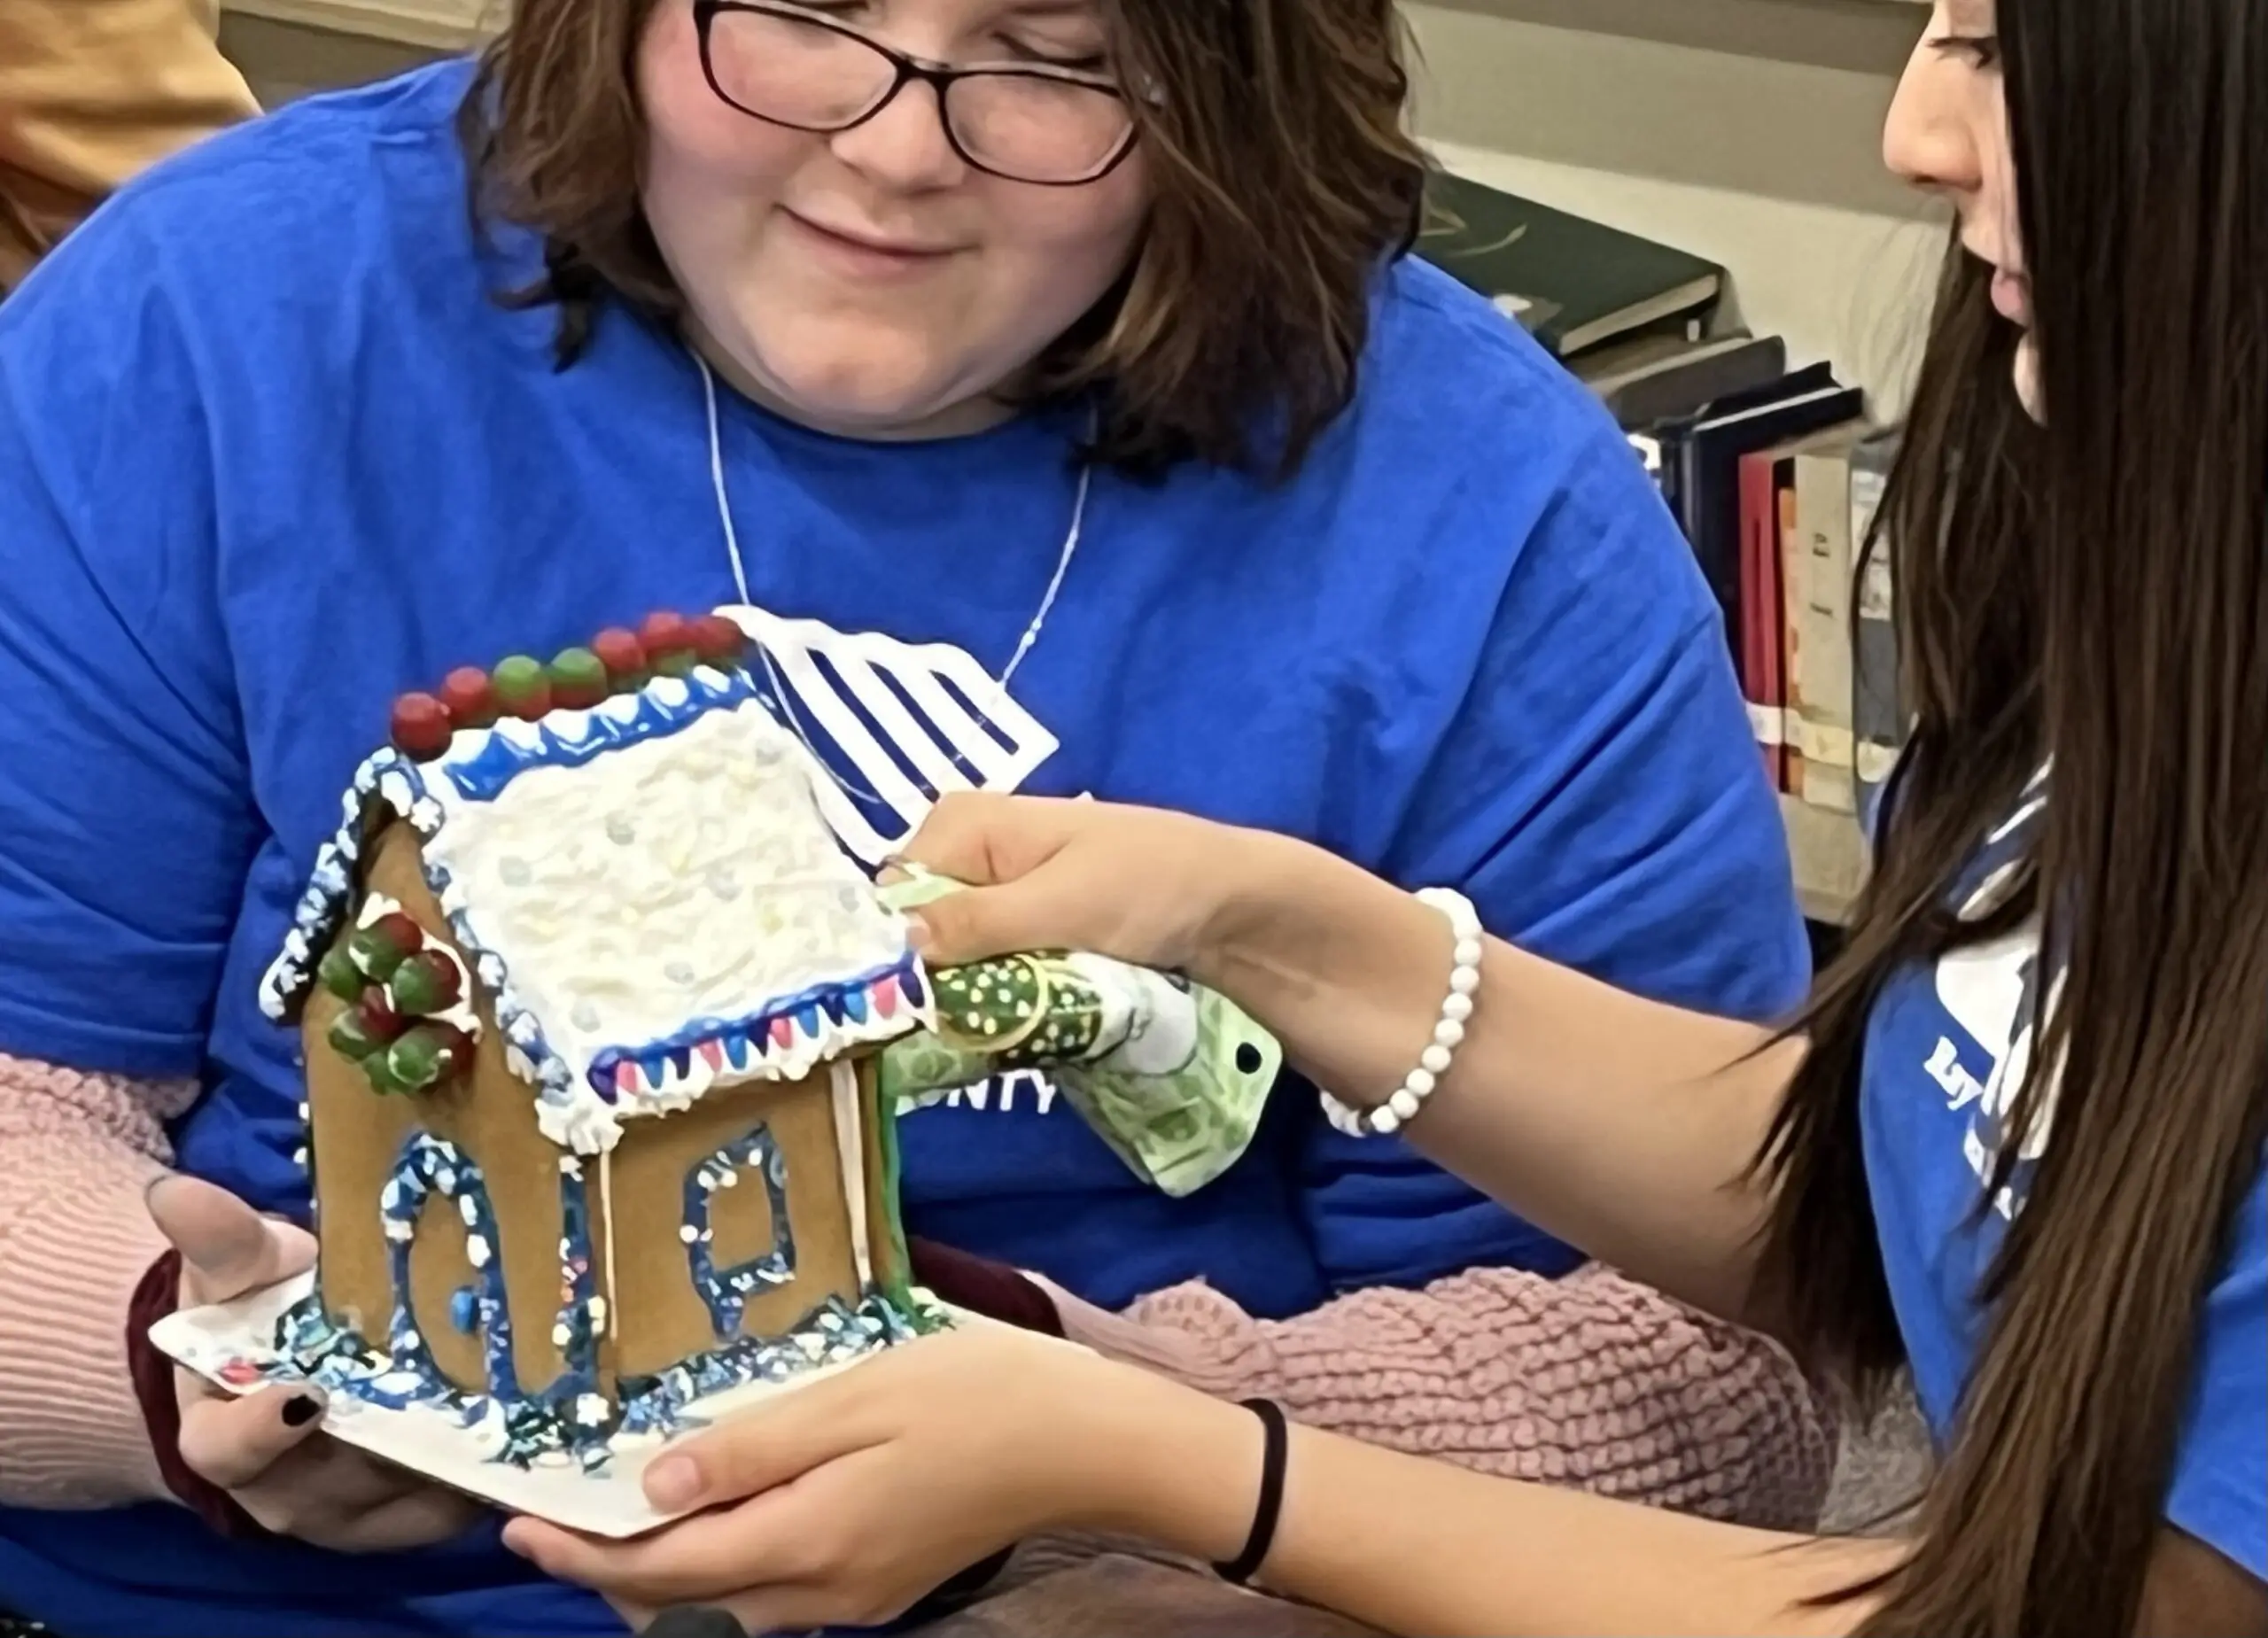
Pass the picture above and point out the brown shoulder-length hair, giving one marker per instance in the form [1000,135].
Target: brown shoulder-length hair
[2089,594]
[1283,178]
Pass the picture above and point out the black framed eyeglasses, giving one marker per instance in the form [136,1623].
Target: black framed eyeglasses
[1032,123]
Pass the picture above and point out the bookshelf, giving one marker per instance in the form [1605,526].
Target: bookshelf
[1728,131]
[1746,131]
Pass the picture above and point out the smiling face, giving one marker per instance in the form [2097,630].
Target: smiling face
[1948,131]
[873,282]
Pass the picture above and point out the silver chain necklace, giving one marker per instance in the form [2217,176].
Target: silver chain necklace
[739,571]
[740,580]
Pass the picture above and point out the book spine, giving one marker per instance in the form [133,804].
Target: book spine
[1878,717]
[1823,523]
[1760,617]
[1792,560]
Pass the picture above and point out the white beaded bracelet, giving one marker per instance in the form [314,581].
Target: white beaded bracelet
[1448,1033]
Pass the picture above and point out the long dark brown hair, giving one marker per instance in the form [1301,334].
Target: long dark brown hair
[1283,178]
[2089,594]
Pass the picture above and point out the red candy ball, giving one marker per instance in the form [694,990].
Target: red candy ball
[717,639]
[664,632]
[378,1016]
[456,1049]
[400,930]
[421,727]
[621,652]
[472,702]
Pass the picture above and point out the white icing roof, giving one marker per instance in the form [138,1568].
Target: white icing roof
[649,895]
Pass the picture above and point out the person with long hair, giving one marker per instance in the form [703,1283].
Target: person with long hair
[2015,1142]
[1046,383]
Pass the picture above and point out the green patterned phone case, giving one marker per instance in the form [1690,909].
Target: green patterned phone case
[1171,1076]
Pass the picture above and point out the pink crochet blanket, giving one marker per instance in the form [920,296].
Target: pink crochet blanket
[1591,1381]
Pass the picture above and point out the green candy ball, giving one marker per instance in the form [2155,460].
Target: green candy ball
[519,678]
[415,1059]
[374,954]
[338,973]
[425,984]
[579,668]
[349,1038]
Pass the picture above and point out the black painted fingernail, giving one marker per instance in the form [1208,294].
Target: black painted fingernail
[300,1409]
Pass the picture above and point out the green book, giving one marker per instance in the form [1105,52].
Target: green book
[1571,283]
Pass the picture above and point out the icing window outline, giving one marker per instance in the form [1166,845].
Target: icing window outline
[726,1292]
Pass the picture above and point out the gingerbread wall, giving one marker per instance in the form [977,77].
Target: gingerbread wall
[358,1137]
[661,1317]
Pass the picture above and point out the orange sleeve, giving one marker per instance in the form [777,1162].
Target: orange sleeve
[91,91]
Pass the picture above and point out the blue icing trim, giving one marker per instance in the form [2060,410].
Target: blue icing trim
[576,1334]
[573,1416]
[570,1415]
[727,1293]
[739,1037]
[483,776]
[832,1333]
[430,1165]
[323,904]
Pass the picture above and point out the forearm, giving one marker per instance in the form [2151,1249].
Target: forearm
[1409,1545]
[1623,1126]
[76,1154]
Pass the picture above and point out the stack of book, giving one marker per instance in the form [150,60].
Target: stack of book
[1630,316]
[1775,476]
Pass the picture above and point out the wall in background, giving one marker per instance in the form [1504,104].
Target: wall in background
[285,60]
[1748,131]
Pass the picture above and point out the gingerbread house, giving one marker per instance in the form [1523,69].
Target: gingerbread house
[589,997]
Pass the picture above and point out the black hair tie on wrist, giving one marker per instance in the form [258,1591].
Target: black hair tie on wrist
[1246,1563]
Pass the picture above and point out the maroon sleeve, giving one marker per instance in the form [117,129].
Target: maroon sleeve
[983,1287]
[155,1298]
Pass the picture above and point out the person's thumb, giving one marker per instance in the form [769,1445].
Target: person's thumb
[231,1442]
[226,1247]
[757,1451]
[975,923]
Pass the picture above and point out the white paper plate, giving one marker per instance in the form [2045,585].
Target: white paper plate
[231,1344]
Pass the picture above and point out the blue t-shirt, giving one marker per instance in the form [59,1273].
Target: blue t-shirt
[1947,1048]
[269,454]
